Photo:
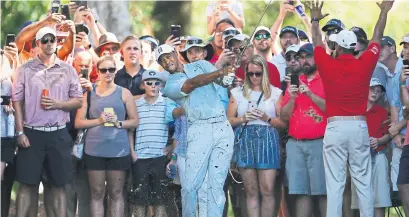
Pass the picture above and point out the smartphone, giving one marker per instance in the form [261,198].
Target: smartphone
[55,6]
[288,71]
[294,79]
[84,73]
[5,100]
[109,110]
[175,31]
[80,28]
[65,10]
[10,38]
[406,63]
[252,105]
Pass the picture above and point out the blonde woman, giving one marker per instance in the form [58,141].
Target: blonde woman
[257,152]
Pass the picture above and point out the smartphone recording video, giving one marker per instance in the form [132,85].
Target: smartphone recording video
[175,31]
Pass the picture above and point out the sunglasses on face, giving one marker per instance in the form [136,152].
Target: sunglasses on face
[194,41]
[153,83]
[46,40]
[262,36]
[257,74]
[288,58]
[105,70]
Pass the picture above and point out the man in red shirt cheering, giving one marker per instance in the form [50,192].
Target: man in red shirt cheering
[346,80]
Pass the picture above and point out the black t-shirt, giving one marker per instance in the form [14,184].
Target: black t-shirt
[124,80]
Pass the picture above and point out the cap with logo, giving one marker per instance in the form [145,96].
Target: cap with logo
[360,34]
[346,39]
[230,31]
[405,40]
[376,82]
[307,48]
[386,40]
[163,49]
[45,31]
[333,24]
[107,38]
[152,74]
[192,41]
[290,29]
[292,48]
[239,37]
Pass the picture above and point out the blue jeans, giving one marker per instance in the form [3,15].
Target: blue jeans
[209,151]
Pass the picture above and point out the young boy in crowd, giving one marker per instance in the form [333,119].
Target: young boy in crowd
[376,117]
[148,157]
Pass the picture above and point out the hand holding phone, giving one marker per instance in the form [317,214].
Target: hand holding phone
[10,38]
[110,112]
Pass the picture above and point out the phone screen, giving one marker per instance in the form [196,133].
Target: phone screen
[109,110]
[10,38]
[175,31]
[294,79]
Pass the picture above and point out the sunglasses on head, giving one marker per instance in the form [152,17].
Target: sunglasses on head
[288,58]
[262,36]
[257,74]
[110,70]
[152,83]
[230,32]
[46,40]
[194,41]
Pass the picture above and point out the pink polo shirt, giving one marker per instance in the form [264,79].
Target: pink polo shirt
[60,79]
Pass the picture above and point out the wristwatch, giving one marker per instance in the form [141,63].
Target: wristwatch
[315,19]
[119,124]
[19,133]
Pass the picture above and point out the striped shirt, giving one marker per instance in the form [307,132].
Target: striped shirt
[152,132]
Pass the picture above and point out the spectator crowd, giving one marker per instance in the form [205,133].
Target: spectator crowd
[284,122]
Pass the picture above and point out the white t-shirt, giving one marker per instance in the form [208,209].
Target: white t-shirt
[279,62]
[268,106]
[235,6]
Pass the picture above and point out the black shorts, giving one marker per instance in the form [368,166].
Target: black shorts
[403,177]
[150,181]
[8,149]
[48,150]
[107,163]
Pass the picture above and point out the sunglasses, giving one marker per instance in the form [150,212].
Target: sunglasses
[194,41]
[152,83]
[288,58]
[230,32]
[262,36]
[257,74]
[332,31]
[110,70]
[46,40]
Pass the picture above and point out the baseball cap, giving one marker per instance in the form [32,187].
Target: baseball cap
[308,48]
[44,31]
[107,38]
[346,39]
[405,40]
[239,37]
[152,74]
[292,48]
[333,23]
[360,34]
[290,29]
[303,36]
[230,31]
[154,42]
[163,49]
[262,28]
[386,40]
[376,82]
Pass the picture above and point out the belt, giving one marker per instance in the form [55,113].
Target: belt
[346,118]
[305,140]
[46,129]
[209,121]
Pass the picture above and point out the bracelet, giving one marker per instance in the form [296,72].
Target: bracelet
[402,83]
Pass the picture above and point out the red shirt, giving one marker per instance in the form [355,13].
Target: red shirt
[346,80]
[307,120]
[214,59]
[273,74]
[374,119]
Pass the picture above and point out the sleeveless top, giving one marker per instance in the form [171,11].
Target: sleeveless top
[266,105]
[102,141]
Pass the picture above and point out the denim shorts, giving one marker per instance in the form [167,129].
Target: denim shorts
[305,167]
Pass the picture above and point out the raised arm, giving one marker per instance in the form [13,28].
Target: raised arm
[68,46]
[316,16]
[275,28]
[385,7]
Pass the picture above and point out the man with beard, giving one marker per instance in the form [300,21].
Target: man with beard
[304,109]
[237,45]
[262,43]
[288,36]
[346,80]
[210,136]
[45,91]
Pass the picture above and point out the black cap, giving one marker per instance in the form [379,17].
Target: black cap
[303,36]
[289,29]
[360,34]
[386,40]
[333,23]
[308,48]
